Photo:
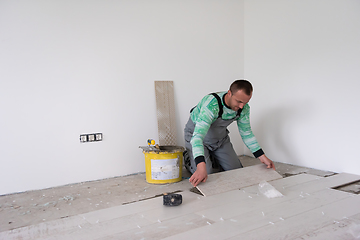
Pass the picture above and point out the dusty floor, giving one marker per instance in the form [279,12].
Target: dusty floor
[33,207]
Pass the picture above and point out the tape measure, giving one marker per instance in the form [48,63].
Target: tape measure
[172,199]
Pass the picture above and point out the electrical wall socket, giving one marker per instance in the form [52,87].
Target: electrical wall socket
[83,138]
[92,137]
[98,136]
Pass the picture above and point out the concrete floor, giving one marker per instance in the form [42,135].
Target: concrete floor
[33,207]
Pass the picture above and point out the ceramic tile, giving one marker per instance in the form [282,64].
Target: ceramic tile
[308,209]
[216,231]
[122,210]
[46,229]
[346,229]
[162,229]
[235,179]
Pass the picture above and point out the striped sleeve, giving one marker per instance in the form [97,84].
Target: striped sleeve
[246,133]
[203,116]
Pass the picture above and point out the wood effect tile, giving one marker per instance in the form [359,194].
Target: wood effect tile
[46,229]
[249,198]
[288,229]
[309,207]
[305,222]
[216,231]
[163,229]
[236,179]
[258,208]
[343,208]
[346,229]
[105,228]
[122,210]
[191,202]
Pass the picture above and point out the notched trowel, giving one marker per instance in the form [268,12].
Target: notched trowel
[268,190]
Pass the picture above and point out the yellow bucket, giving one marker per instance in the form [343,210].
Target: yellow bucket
[164,165]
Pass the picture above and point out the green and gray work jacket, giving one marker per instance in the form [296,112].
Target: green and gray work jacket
[204,133]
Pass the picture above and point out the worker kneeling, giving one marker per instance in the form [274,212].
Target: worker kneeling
[208,146]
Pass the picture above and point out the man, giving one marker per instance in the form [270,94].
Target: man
[206,136]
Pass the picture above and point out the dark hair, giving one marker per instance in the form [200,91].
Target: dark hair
[241,85]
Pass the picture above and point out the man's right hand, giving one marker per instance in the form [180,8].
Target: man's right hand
[200,175]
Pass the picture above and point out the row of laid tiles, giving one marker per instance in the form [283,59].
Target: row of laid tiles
[150,211]
[249,225]
[306,222]
[344,229]
[143,212]
[293,193]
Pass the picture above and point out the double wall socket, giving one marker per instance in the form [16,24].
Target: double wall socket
[91,137]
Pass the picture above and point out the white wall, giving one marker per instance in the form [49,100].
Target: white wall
[73,67]
[304,60]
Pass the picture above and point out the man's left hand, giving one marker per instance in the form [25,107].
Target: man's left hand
[265,160]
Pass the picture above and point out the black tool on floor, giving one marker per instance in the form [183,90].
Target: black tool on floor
[172,199]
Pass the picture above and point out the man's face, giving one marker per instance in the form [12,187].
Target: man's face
[238,99]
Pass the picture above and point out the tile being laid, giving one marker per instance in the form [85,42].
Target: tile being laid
[295,185]
[294,180]
[236,179]
[283,184]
